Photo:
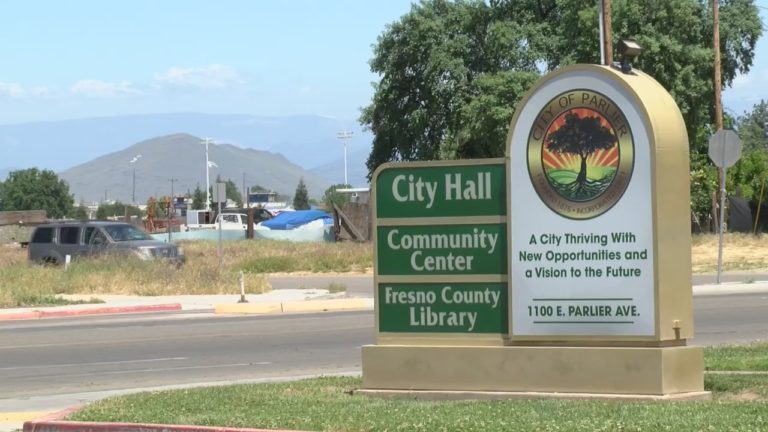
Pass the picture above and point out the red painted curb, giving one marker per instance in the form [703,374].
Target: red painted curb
[20,315]
[59,414]
[70,426]
[93,311]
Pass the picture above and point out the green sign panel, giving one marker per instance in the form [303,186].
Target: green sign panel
[441,191]
[443,308]
[470,249]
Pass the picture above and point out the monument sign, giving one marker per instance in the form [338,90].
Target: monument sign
[563,269]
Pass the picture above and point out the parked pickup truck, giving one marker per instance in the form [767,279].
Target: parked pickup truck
[200,219]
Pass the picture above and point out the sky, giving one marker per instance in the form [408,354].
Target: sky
[86,58]
[71,59]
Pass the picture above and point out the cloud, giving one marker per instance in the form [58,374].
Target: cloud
[17,91]
[12,90]
[209,77]
[96,88]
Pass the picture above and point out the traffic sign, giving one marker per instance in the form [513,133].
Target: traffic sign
[724,148]
[220,192]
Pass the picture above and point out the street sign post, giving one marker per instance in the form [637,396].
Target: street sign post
[219,196]
[724,150]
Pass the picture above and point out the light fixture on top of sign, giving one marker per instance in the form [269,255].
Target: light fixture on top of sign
[629,49]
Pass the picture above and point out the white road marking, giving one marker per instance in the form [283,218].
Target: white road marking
[96,363]
[172,369]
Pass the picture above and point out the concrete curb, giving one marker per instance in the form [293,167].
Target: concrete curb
[53,423]
[730,288]
[58,415]
[37,314]
[72,426]
[295,306]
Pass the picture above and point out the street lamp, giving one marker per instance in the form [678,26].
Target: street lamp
[206,141]
[344,136]
[133,190]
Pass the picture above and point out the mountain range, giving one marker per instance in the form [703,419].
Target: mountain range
[271,152]
[178,161]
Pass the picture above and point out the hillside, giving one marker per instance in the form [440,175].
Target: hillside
[182,157]
[307,141]
[356,169]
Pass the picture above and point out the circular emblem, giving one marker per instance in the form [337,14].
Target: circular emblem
[580,154]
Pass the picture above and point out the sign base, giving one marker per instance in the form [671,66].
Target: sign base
[587,371]
[446,395]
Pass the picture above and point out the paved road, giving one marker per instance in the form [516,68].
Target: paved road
[730,319]
[44,357]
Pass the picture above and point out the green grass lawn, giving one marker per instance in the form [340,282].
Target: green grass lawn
[740,403]
[753,357]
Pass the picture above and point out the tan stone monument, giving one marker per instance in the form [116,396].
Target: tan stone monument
[562,270]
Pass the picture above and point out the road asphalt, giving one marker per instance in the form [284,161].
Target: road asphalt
[276,301]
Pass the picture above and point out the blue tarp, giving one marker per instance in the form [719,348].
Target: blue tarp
[293,219]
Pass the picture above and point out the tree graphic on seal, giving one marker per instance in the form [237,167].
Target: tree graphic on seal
[582,137]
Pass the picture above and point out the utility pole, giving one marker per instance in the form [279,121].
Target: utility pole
[718,102]
[172,180]
[245,193]
[171,208]
[344,136]
[718,85]
[606,34]
[133,189]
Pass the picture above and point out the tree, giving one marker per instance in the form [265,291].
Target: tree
[32,189]
[750,173]
[198,198]
[116,209]
[301,196]
[581,137]
[232,192]
[330,196]
[451,72]
[80,212]
[753,127]
[158,207]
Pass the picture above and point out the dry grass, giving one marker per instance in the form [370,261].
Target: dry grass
[22,284]
[741,252]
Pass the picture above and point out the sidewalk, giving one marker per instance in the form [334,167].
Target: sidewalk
[276,301]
